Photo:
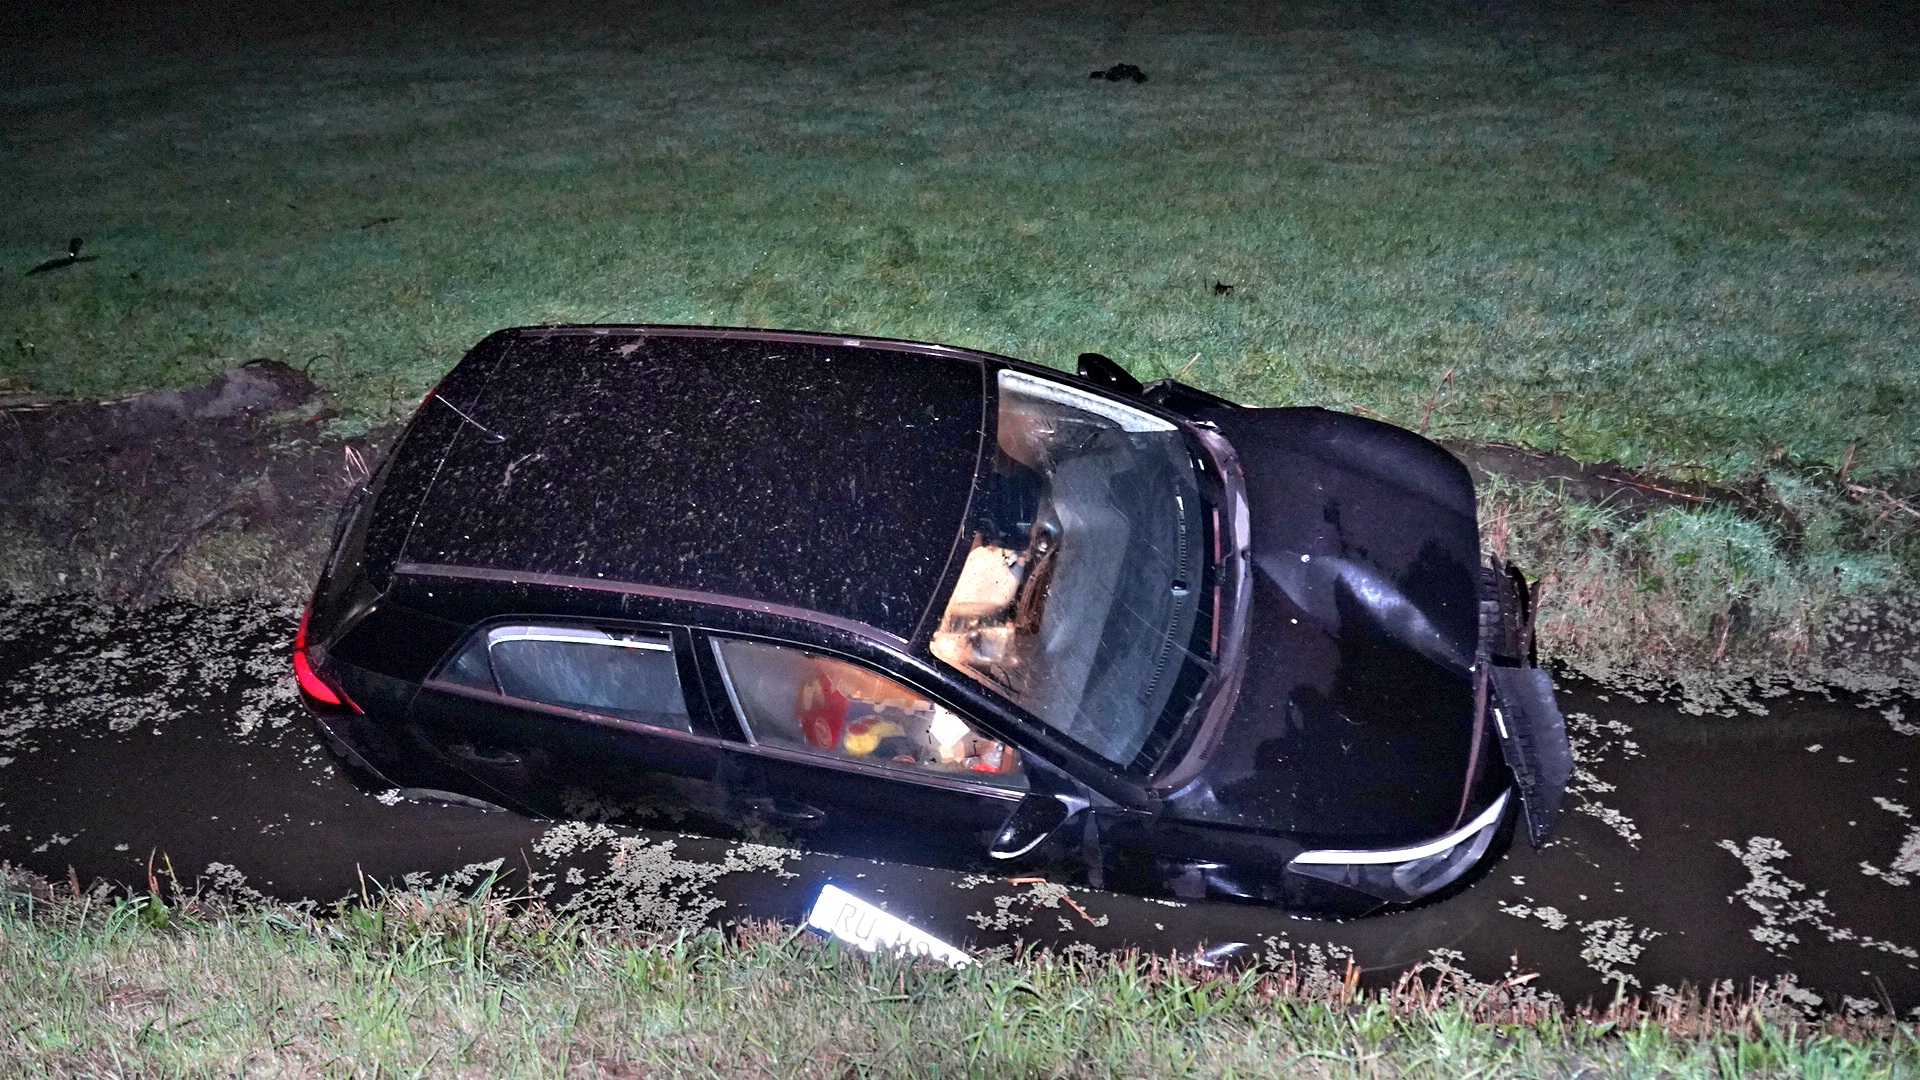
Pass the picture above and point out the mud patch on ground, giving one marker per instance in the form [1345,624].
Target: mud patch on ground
[1607,484]
[214,491]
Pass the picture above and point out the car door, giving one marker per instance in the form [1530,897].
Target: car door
[832,755]
[578,720]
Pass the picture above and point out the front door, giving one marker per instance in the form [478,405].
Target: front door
[838,757]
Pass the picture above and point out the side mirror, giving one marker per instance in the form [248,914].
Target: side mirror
[1096,368]
[1034,819]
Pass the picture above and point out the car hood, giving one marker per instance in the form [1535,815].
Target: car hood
[1353,724]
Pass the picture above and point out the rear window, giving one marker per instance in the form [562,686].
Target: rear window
[626,675]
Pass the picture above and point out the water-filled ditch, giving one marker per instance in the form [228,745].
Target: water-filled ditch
[1698,849]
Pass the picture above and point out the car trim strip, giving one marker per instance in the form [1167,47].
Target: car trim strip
[490,697]
[825,761]
[820,760]
[526,632]
[733,696]
[794,337]
[694,596]
[1128,418]
[1407,854]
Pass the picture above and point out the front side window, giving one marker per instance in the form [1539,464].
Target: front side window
[628,676]
[798,700]
[1081,592]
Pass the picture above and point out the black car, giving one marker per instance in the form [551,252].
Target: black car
[917,602]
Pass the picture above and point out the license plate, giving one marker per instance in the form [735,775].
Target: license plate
[840,914]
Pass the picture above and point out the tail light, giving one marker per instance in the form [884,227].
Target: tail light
[314,686]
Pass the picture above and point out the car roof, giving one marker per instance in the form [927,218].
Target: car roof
[814,472]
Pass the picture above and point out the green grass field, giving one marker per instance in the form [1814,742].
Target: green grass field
[1677,240]
[1680,240]
[429,988]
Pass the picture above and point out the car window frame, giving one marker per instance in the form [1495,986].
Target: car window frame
[700,714]
[741,739]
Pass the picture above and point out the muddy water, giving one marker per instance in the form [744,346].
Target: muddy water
[1697,850]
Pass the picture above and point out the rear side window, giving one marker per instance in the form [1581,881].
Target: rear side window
[798,700]
[629,676]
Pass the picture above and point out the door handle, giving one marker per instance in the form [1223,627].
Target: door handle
[492,756]
[788,812]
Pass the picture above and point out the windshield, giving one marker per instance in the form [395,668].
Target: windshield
[1079,595]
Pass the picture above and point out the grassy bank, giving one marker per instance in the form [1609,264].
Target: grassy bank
[1717,604]
[423,986]
[1684,239]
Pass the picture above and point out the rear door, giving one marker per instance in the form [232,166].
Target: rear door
[579,720]
[835,756]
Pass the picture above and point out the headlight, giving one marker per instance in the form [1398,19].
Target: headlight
[1407,873]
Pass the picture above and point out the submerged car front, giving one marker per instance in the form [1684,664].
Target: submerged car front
[1268,619]
[1362,729]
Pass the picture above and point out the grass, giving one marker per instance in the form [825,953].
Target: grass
[1682,238]
[1708,600]
[1685,240]
[432,985]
